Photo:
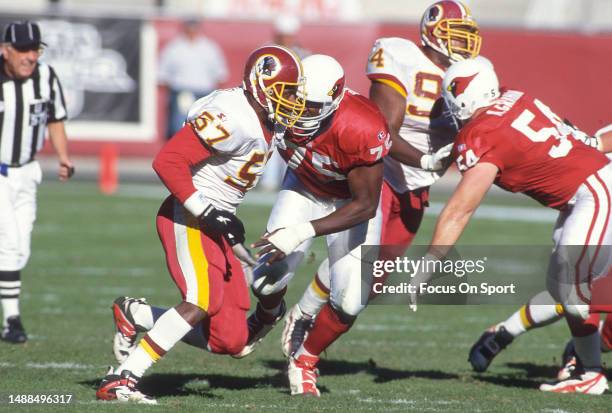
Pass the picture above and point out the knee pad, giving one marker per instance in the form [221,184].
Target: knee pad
[580,311]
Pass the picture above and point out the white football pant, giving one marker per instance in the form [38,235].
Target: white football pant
[295,205]
[17,214]
[583,244]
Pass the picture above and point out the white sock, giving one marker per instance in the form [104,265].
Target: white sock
[514,324]
[313,299]
[317,292]
[540,311]
[588,349]
[10,308]
[9,291]
[168,330]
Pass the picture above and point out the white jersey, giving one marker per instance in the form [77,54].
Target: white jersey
[402,65]
[228,125]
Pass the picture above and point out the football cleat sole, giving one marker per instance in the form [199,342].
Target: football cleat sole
[587,383]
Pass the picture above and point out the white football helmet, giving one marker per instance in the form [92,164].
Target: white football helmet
[324,92]
[469,85]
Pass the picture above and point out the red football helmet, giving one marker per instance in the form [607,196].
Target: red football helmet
[449,28]
[274,76]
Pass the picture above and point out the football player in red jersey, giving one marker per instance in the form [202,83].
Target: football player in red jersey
[518,143]
[332,187]
[208,167]
[541,310]
[406,86]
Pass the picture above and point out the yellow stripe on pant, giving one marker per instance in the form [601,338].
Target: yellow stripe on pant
[198,258]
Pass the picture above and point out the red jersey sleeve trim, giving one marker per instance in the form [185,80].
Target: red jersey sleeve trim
[174,161]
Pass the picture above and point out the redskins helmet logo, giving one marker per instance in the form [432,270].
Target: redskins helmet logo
[268,66]
[434,14]
[459,84]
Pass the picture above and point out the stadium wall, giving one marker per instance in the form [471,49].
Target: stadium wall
[568,71]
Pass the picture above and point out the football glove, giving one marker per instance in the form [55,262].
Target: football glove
[592,141]
[218,222]
[417,279]
[289,238]
[436,161]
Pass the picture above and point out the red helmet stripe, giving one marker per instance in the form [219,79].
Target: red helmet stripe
[459,84]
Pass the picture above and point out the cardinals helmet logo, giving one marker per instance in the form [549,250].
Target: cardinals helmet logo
[459,84]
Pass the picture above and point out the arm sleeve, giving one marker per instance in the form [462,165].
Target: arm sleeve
[385,63]
[57,108]
[174,161]
[365,138]
[471,149]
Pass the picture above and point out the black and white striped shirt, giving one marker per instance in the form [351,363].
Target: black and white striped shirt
[26,106]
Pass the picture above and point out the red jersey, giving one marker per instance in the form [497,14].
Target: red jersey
[533,148]
[357,136]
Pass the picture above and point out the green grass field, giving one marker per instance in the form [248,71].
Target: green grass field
[88,249]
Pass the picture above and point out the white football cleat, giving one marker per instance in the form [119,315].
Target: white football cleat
[295,330]
[124,341]
[303,373]
[591,382]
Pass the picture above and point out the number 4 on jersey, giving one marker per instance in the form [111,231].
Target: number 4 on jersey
[378,59]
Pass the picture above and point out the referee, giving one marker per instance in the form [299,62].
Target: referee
[31,101]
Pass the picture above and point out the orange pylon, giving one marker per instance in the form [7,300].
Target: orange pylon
[108,179]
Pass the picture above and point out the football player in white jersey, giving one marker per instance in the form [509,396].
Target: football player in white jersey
[208,167]
[406,86]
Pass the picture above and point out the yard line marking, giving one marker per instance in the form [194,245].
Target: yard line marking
[64,365]
[259,198]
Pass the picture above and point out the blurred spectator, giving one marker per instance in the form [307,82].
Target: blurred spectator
[285,34]
[191,66]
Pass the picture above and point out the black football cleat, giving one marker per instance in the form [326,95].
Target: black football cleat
[259,328]
[14,332]
[489,345]
[572,365]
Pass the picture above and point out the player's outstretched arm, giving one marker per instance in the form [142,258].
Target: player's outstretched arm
[393,106]
[365,183]
[457,212]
